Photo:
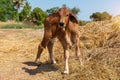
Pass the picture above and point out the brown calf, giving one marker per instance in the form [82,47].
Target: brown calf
[63,25]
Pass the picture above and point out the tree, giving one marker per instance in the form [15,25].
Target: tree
[74,10]
[100,16]
[105,16]
[38,15]
[64,5]
[18,4]
[82,22]
[25,13]
[51,10]
[7,11]
[96,16]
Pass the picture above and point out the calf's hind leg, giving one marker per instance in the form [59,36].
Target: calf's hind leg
[77,52]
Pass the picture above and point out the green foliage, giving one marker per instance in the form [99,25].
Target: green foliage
[38,16]
[51,10]
[7,11]
[25,13]
[100,16]
[38,27]
[82,23]
[106,16]
[18,3]
[74,10]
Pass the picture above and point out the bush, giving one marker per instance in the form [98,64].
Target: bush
[82,23]
[100,16]
[38,16]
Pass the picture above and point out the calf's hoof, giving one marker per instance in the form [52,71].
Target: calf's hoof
[37,62]
[65,72]
[53,62]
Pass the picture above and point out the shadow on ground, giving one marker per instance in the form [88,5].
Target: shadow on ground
[43,67]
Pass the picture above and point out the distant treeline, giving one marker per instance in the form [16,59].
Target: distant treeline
[20,10]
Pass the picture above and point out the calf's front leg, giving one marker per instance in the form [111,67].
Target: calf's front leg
[66,53]
[41,46]
[66,56]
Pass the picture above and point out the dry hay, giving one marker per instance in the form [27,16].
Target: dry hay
[100,46]
[101,34]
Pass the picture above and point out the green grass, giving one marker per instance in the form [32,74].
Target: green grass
[38,27]
[20,26]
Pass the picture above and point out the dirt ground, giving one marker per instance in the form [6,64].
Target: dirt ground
[17,54]
[18,48]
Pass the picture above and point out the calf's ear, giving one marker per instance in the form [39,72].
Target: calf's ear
[55,17]
[55,14]
[73,18]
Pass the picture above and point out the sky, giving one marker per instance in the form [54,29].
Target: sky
[87,7]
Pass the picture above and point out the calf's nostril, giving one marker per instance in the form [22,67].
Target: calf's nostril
[61,24]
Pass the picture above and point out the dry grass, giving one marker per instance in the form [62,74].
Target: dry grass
[98,34]
[100,42]
[100,46]
[9,22]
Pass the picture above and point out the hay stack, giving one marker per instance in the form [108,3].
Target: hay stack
[101,34]
[100,46]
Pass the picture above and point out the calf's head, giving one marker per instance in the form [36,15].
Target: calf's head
[65,16]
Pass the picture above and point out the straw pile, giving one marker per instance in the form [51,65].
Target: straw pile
[101,34]
[100,46]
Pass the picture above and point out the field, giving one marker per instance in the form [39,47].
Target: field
[100,46]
